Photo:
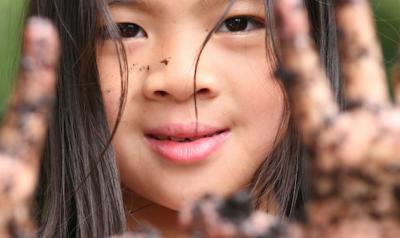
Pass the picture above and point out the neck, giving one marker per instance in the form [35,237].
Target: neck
[142,211]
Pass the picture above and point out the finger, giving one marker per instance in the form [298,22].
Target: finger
[233,217]
[304,77]
[396,78]
[361,57]
[25,125]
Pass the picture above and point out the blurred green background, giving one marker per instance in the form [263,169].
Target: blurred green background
[387,14]
[11,20]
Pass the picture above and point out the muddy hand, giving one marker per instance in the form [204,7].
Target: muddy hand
[211,216]
[356,153]
[25,126]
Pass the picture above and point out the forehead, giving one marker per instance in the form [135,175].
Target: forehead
[196,4]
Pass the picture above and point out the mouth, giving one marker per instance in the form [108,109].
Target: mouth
[185,143]
[183,139]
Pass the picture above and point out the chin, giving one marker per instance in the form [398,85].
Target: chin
[175,201]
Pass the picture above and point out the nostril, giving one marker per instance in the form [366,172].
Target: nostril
[203,91]
[160,93]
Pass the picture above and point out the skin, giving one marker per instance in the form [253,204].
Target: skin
[235,90]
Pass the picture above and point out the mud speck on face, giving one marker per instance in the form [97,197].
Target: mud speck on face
[132,67]
[165,61]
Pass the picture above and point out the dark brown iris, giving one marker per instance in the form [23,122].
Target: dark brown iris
[237,24]
[128,29]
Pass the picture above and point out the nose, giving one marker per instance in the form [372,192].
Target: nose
[178,80]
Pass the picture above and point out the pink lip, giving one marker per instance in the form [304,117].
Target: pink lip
[209,140]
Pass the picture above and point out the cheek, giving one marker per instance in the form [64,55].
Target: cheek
[256,92]
[263,116]
[264,112]
[110,83]
[259,100]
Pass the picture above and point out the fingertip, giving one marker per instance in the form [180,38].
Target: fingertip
[292,21]
[41,41]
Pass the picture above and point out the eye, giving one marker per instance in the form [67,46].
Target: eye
[239,24]
[130,30]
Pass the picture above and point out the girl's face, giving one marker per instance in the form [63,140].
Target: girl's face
[162,154]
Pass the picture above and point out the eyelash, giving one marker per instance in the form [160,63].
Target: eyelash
[234,25]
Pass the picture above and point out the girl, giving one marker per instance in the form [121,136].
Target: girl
[159,102]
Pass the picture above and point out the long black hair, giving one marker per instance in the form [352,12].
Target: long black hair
[79,194]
